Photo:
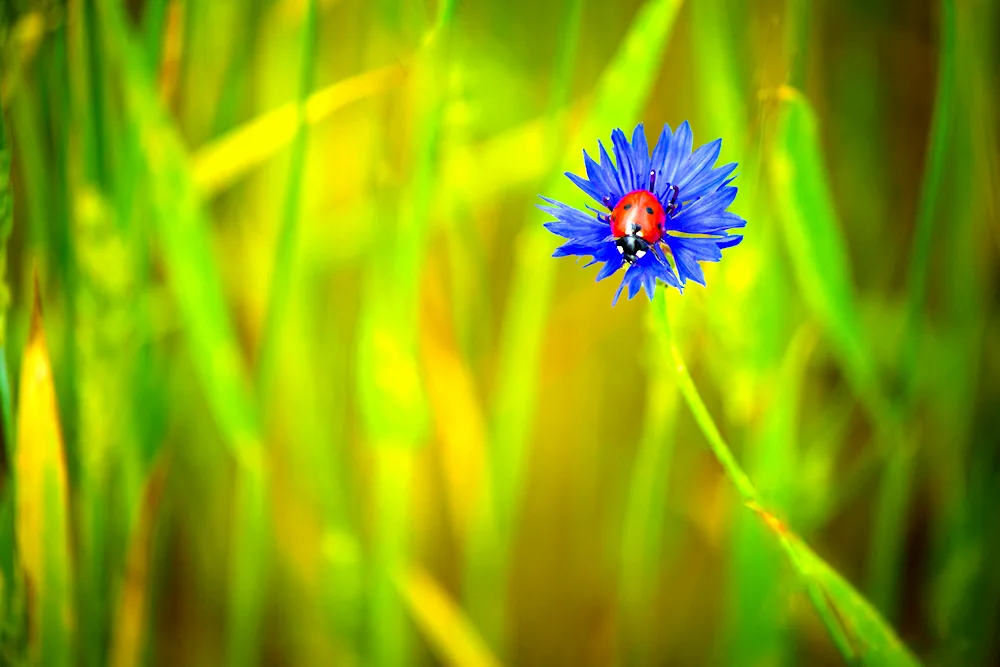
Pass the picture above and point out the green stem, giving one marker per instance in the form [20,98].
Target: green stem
[734,471]
[281,275]
[701,415]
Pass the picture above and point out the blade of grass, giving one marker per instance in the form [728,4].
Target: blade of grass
[9,579]
[860,634]
[761,635]
[181,228]
[42,497]
[930,190]
[449,632]
[618,100]
[236,81]
[130,627]
[284,257]
[461,427]
[562,74]
[718,59]
[389,381]
[6,228]
[757,630]
[219,164]
[815,243]
[965,589]
[154,21]
[642,542]
[796,38]
[621,92]
[889,527]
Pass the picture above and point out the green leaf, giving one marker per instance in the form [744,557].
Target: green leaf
[861,635]
[859,631]
[814,238]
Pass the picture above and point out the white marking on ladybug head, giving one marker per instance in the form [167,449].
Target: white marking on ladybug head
[639,233]
[621,250]
[640,254]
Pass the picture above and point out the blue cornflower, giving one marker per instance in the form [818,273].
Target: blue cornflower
[667,212]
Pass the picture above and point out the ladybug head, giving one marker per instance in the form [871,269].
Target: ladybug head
[632,248]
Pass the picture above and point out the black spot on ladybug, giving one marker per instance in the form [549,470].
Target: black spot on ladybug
[626,207]
[649,209]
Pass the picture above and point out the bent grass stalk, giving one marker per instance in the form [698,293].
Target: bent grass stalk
[889,527]
[855,627]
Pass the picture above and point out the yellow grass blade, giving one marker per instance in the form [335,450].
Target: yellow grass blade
[223,161]
[461,429]
[41,521]
[452,637]
[129,628]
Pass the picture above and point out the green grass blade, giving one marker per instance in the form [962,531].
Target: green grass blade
[249,554]
[181,228]
[6,227]
[854,625]
[642,542]
[930,196]
[388,374]
[860,633]
[154,21]
[815,242]
[621,92]
[965,589]
[796,38]
[281,273]
[718,60]
[889,528]
[758,616]
[8,575]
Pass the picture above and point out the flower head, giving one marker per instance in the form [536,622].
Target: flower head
[665,212]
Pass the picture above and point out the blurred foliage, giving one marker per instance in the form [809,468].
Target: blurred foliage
[299,383]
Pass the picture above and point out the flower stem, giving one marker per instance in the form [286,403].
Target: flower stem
[719,447]
[748,491]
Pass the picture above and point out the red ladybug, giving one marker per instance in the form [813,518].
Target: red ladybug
[637,224]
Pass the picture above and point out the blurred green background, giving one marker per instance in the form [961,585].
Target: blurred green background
[311,390]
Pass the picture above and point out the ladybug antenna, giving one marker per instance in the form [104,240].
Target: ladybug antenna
[670,199]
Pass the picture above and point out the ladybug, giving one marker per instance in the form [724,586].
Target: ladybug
[637,224]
